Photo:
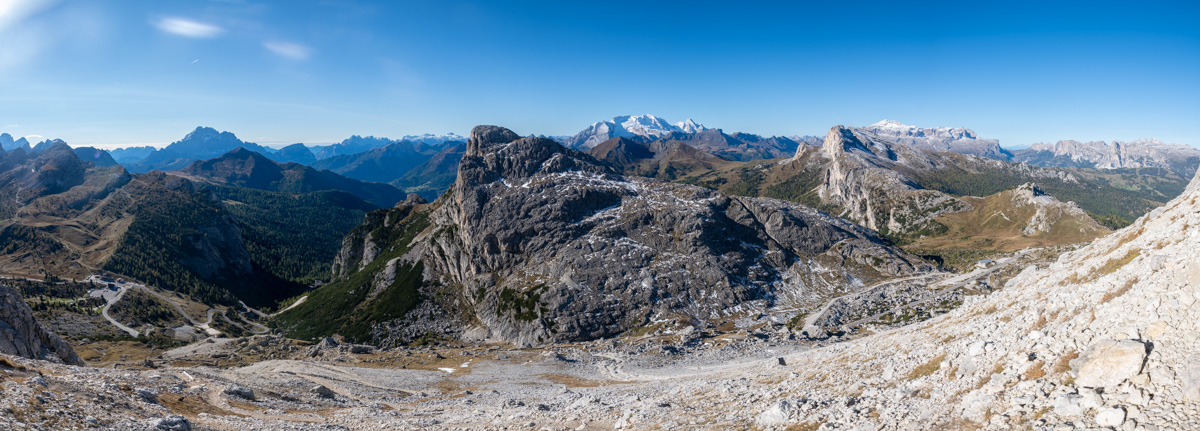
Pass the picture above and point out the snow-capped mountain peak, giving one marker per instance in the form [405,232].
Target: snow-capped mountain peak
[631,125]
[690,126]
[890,124]
[645,125]
[896,128]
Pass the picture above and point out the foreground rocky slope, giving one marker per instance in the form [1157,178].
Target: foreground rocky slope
[538,243]
[21,335]
[1104,337]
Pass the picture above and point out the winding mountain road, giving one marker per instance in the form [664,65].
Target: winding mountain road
[104,312]
[125,286]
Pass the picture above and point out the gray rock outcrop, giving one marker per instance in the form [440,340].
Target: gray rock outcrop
[541,243]
[21,335]
[862,179]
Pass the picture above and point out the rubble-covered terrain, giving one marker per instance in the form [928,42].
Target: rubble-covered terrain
[1104,338]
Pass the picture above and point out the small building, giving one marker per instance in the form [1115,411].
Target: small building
[985,264]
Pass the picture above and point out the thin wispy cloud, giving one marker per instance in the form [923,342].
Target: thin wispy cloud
[289,50]
[195,61]
[188,28]
[12,12]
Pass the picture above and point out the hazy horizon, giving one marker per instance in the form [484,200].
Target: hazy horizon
[140,72]
[277,145]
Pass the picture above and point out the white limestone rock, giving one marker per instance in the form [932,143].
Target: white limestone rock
[1107,363]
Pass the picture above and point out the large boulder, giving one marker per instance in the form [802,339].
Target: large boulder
[779,414]
[1107,363]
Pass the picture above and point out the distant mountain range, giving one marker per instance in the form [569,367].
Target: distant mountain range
[432,178]
[425,164]
[648,128]
[905,185]
[630,126]
[352,145]
[1141,153]
[245,168]
[202,143]
[945,139]
[378,164]
[298,153]
[7,142]
[238,226]
[131,154]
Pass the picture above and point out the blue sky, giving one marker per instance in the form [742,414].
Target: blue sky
[147,72]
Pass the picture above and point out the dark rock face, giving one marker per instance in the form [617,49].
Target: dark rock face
[21,335]
[542,243]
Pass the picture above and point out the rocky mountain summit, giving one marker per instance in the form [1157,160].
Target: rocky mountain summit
[540,243]
[202,143]
[1140,153]
[1048,210]
[21,335]
[862,179]
[7,143]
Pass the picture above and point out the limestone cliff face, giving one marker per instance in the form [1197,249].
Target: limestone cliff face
[21,335]
[861,178]
[541,243]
